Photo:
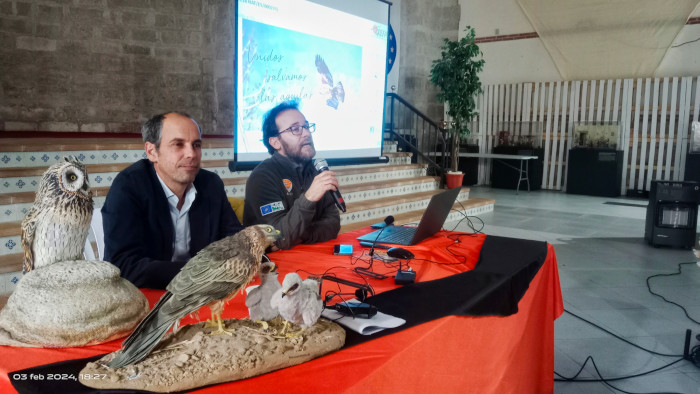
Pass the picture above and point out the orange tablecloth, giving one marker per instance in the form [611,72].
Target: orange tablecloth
[452,354]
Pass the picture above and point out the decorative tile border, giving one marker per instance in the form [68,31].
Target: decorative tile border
[399,160]
[235,191]
[364,195]
[14,212]
[475,211]
[225,173]
[10,245]
[390,146]
[39,159]
[8,281]
[380,212]
[31,183]
[354,179]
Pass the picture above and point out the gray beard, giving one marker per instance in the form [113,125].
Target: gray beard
[299,159]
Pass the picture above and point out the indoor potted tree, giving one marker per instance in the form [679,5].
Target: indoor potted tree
[455,74]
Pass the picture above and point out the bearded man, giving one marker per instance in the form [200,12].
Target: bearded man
[285,190]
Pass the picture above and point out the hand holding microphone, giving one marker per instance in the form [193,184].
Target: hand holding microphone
[325,182]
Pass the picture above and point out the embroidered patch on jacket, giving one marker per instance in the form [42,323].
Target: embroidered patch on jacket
[287,185]
[271,207]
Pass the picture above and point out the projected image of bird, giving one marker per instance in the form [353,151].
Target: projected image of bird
[56,226]
[334,93]
[258,298]
[298,302]
[211,278]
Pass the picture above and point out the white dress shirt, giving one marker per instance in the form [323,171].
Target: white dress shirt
[181,221]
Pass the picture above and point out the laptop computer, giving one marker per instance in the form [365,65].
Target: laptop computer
[431,222]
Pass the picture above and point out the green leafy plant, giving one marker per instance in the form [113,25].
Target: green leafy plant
[456,75]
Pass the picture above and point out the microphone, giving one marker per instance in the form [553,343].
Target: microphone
[389,220]
[321,165]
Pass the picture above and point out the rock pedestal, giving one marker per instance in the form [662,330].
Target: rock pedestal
[192,358]
[71,303]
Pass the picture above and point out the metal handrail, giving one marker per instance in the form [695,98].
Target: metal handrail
[418,133]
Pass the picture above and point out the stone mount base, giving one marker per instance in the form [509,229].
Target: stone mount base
[191,358]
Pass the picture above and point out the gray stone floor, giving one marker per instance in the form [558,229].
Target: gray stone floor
[603,264]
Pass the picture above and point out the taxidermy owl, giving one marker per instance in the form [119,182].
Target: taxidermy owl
[57,225]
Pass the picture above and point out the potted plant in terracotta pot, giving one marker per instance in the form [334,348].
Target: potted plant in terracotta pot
[456,75]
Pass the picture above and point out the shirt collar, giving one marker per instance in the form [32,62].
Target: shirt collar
[172,197]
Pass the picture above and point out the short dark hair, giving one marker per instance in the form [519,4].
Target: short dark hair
[152,129]
[269,126]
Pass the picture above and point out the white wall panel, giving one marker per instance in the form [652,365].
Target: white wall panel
[654,116]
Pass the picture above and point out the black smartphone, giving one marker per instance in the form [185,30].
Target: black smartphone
[342,249]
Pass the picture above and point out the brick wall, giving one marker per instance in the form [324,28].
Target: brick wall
[106,65]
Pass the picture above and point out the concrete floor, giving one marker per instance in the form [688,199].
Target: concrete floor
[603,264]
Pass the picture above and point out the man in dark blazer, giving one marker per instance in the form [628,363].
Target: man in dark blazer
[161,211]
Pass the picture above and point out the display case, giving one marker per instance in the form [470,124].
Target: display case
[596,135]
[527,135]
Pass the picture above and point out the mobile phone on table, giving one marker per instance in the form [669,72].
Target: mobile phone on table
[342,249]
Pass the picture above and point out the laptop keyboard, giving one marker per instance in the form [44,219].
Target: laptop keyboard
[402,237]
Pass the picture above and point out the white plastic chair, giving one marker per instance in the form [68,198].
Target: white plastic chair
[95,235]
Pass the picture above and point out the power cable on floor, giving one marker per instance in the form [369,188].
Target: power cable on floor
[680,270]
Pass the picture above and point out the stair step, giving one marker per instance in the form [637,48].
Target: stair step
[14,205]
[415,215]
[391,200]
[388,188]
[23,179]
[10,228]
[235,187]
[17,172]
[11,263]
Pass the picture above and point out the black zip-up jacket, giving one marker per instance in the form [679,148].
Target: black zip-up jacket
[138,230]
[274,195]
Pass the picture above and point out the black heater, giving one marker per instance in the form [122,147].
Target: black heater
[672,213]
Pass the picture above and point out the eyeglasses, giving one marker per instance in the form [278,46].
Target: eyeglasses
[298,129]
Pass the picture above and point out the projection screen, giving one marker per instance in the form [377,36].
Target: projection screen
[330,56]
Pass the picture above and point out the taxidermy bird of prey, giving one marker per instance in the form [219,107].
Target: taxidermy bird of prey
[258,298]
[212,277]
[298,302]
[334,93]
[56,226]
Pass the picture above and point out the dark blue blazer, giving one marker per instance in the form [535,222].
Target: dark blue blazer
[138,229]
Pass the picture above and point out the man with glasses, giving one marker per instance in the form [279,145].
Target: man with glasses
[285,190]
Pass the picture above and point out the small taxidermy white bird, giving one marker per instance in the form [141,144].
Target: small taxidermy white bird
[298,301]
[56,226]
[212,277]
[258,298]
